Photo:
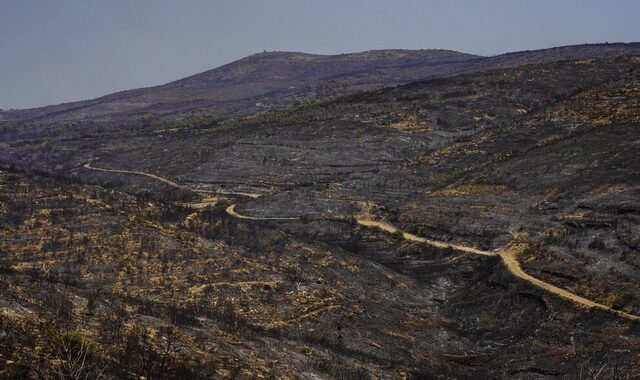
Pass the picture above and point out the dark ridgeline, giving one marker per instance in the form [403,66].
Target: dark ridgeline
[275,80]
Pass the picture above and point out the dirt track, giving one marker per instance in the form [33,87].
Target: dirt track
[231,211]
[509,254]
[157,178]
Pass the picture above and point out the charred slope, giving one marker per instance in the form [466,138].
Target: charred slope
[277,80]
[541,156]
[95,272]
[257,82]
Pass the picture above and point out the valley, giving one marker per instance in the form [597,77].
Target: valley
[509,255]
[481,222]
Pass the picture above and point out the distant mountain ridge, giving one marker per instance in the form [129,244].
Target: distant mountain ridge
[272,80]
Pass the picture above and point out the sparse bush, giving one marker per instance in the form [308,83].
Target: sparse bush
[185,194]
[78,357]
[597,243]
[396,236]
[620,301]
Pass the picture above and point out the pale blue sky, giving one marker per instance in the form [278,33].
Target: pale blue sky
[53,51]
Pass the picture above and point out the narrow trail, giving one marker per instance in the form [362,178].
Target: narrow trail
[411,237]
[509,254]
[509,257]
[226,192]
[170,182]
[231,211]
[157,178]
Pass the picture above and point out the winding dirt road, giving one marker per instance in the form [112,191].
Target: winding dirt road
[231,210]
[170,182]
[226,192]
[509,257]
[509,254]
[438,244]
[157,178]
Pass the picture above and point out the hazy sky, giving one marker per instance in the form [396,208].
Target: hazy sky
[53,51]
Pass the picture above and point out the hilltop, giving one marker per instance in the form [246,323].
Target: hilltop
[276,80]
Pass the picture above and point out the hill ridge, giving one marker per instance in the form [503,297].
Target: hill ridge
[272,80]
